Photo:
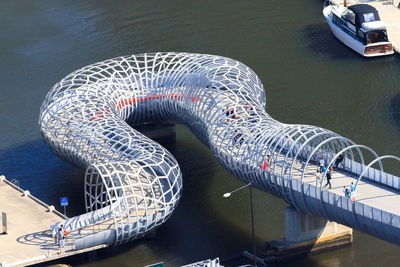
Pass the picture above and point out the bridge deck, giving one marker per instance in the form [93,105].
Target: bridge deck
[367,192]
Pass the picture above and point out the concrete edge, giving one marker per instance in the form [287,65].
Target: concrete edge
[26,193]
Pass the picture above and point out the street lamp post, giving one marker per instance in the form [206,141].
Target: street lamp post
[226,195]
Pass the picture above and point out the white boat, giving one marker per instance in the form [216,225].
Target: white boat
[360,28]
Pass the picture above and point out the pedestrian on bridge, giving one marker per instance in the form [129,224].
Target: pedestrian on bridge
[61,245]
[352,192]
[317,158]
[321,164]
[318,179]
[338,160]
[346,191]
[328,178]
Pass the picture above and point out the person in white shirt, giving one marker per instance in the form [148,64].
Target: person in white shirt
[321,164]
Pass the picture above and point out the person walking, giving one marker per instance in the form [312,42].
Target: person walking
[317,159]
[61,245]
[60,235]
[352,187]
[264,165]
[346,192]
[65,233]
[318,179]
[321,164]
[352,192]
[328,178]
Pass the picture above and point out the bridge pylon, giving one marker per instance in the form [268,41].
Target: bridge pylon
[307,235]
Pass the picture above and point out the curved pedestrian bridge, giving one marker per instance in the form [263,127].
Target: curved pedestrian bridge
[133,184]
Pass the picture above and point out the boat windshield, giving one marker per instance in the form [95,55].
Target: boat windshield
[349,16]
[369,17]
[376,37]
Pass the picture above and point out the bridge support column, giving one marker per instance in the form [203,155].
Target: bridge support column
[306,235]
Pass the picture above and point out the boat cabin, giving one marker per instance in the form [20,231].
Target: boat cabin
[363,23]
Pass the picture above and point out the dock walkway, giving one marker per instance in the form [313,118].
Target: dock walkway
[28,239]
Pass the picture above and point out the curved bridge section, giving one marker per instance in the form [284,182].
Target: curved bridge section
[133,184]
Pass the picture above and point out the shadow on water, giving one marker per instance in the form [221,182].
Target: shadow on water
[394,109]
[194,224]
[322,41]
[45,175]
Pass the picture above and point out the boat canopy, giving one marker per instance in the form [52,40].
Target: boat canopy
[364,13]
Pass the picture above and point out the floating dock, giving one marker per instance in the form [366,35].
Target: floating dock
[28,239]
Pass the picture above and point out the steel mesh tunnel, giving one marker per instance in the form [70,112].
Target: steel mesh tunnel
[87,119]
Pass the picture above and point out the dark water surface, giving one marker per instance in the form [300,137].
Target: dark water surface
[309,76]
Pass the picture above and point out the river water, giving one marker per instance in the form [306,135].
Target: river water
[309,78]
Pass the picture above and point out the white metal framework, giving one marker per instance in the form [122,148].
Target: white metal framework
[87,119]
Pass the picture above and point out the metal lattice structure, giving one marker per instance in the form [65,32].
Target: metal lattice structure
[87,119]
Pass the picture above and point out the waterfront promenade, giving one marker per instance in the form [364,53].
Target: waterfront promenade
[28,239]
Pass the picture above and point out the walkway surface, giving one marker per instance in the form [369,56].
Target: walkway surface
[369,193]
[389,14]
[28,239]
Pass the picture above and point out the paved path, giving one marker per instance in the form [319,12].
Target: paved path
[29,239]
[367,192]
[28,227]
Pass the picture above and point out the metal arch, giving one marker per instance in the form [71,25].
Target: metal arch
[287,134]
[294,143]
[305,142]
[334,137]
[362,161]
[323,176]
[320,134]
[86,119]
[359,152]
[372,163]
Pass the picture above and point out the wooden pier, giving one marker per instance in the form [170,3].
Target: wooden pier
[28,239]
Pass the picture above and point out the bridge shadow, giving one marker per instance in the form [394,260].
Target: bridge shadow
[394,109]
[42,239]
[193,224]
[323,42]
[45,175]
